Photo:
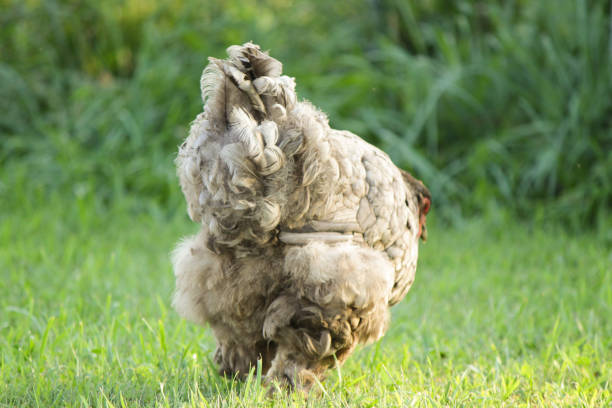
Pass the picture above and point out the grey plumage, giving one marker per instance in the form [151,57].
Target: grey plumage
[308,233]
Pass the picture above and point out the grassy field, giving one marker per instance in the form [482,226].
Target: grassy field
[502,108]
[502,314]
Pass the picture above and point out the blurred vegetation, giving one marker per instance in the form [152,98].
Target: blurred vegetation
[491,103]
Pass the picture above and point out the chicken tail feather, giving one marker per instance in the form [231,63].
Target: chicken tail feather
[235,164]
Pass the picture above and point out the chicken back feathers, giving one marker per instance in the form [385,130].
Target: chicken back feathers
[308,233]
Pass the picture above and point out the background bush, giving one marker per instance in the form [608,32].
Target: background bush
[491,103]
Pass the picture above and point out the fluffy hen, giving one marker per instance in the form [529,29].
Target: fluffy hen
[309,234]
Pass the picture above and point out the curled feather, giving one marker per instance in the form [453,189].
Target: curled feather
[269,215]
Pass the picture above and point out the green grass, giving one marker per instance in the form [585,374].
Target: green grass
[501,314]
[502,108]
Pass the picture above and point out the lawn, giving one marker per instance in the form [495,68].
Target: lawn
[503,313]
[502,108]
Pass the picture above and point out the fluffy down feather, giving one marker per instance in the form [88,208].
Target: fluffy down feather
[308,233]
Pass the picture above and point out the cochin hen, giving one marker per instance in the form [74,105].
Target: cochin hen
[309,234]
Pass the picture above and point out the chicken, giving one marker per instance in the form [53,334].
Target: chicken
[308,234]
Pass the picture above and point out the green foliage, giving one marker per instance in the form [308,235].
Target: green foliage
[484,100]
[492,320]
[518,100]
